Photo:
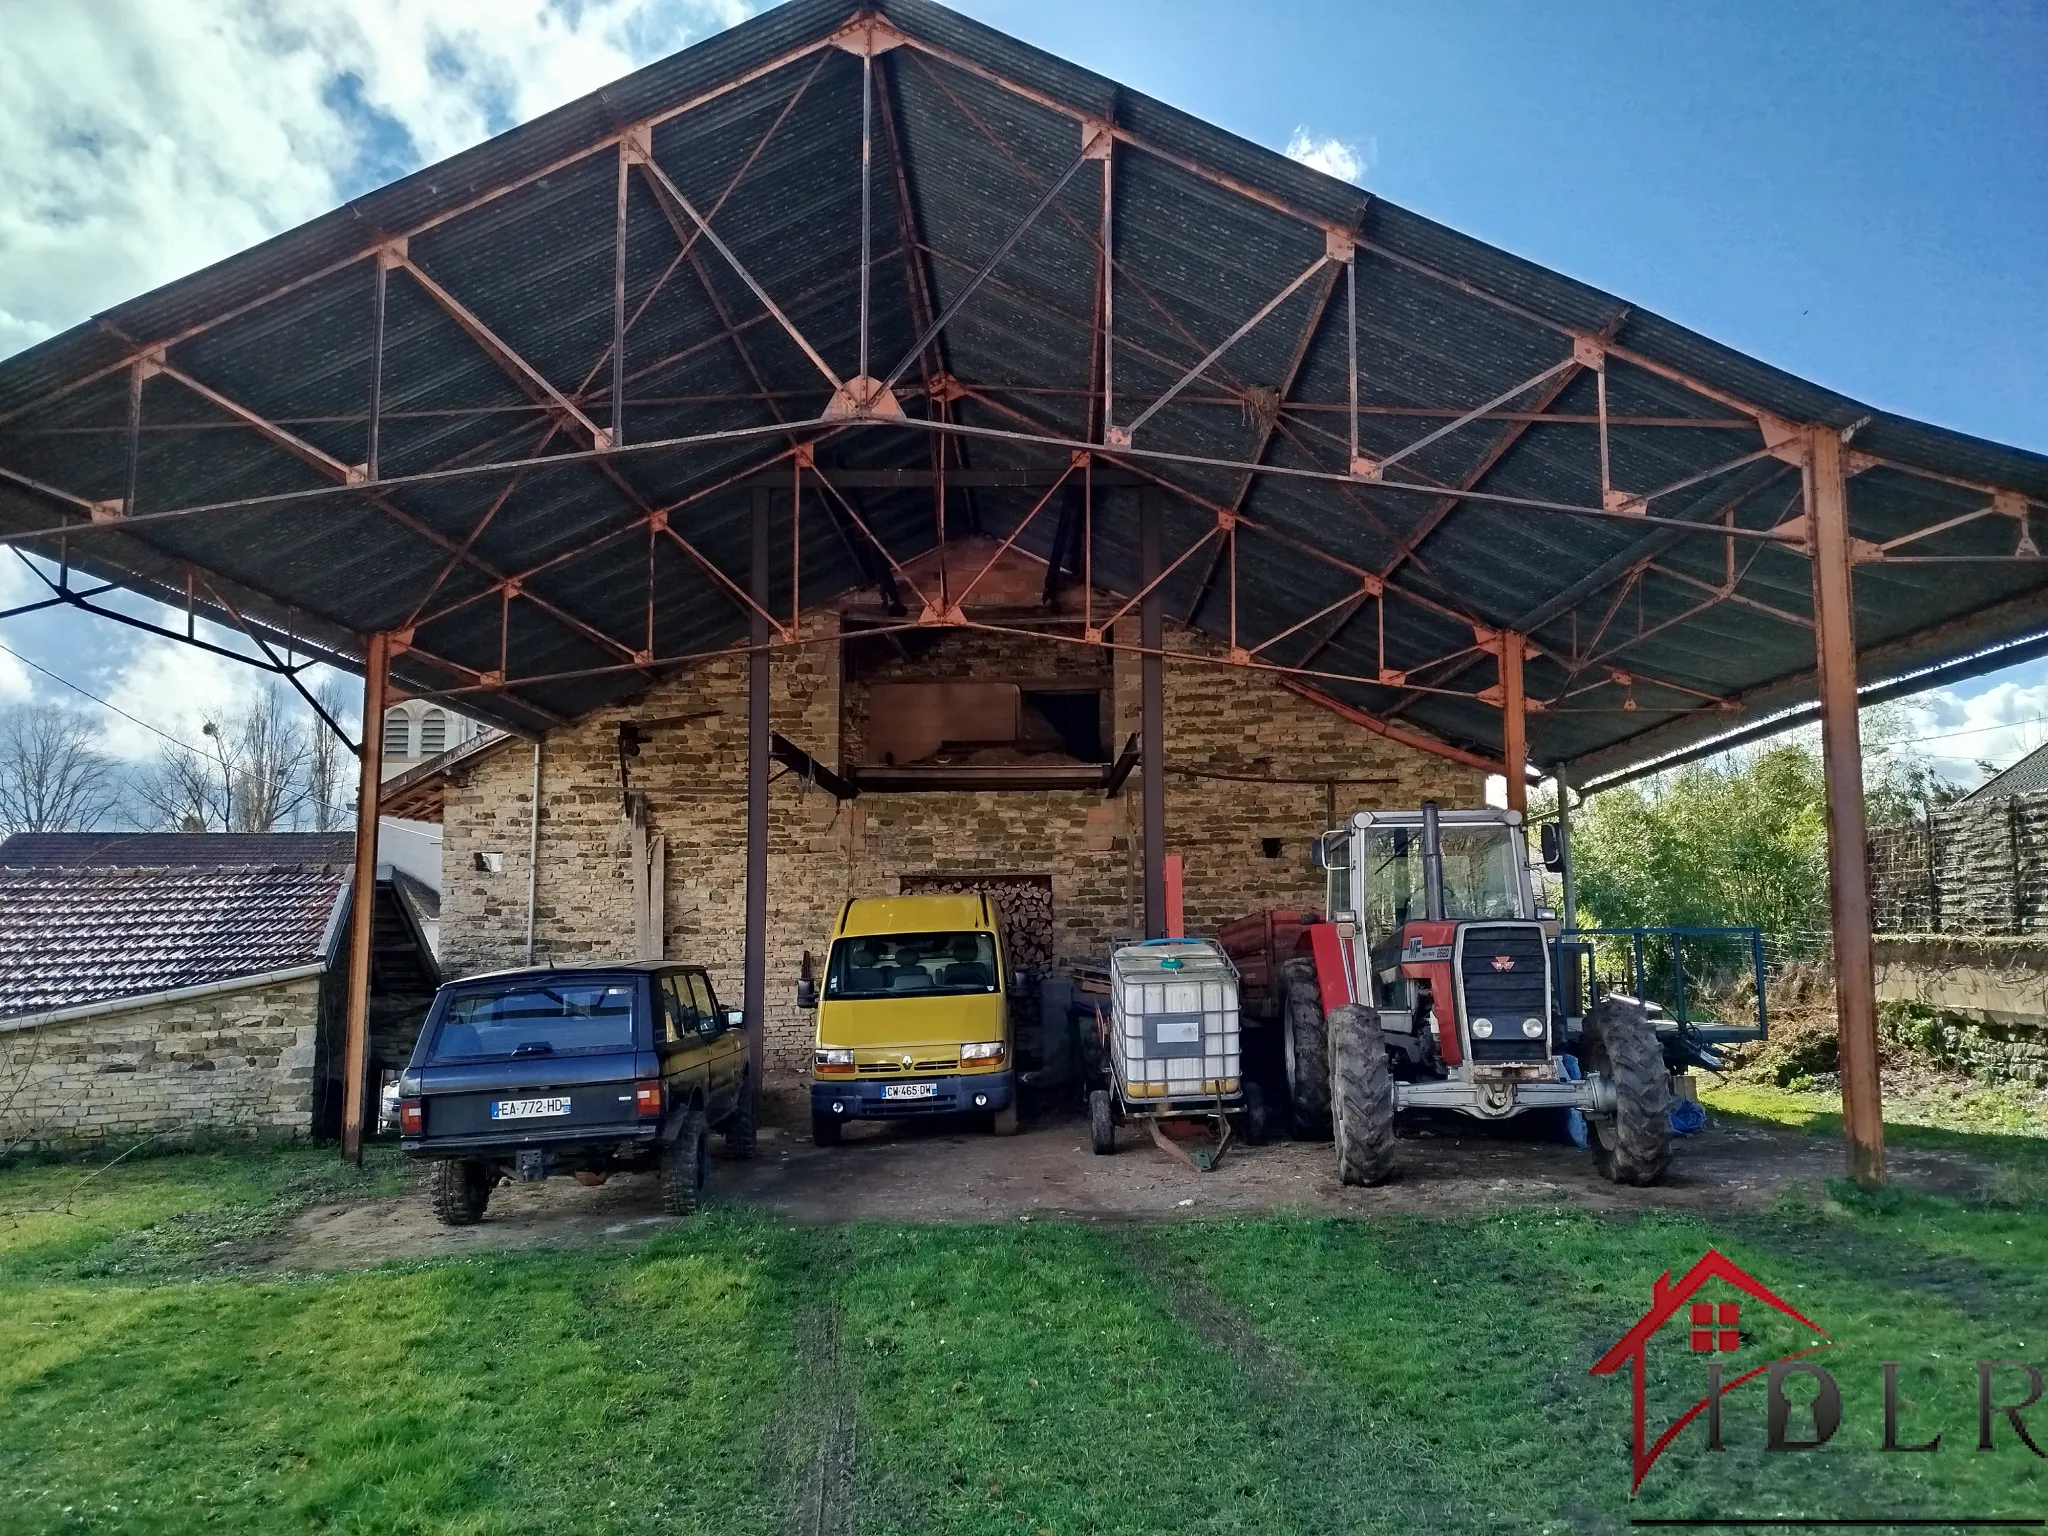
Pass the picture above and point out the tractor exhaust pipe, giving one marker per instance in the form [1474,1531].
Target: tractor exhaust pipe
[1432,865]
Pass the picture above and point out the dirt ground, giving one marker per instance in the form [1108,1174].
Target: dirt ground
[922,1172]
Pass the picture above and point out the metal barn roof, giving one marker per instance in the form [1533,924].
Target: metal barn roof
[212,442]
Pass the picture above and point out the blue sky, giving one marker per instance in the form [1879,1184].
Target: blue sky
[1855,192]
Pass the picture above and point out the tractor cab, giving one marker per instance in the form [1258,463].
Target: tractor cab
[1439,930]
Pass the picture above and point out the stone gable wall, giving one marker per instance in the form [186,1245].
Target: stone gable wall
[231,1064]
[1246,760]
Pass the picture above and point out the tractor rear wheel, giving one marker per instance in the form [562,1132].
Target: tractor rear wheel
[1361,1096]
[1633,1144]
[1308,1049]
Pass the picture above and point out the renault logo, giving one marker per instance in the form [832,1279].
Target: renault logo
[906,1063]
[1503,962]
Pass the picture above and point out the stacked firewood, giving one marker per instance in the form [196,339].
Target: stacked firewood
[1023,905]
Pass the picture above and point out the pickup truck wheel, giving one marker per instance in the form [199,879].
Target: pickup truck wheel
[742,1127]
[1101,1123]
[1004,1121]
[825,1129]
[684,1163]
[460,1191]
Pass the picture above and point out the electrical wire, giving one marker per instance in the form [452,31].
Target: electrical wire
[184,746]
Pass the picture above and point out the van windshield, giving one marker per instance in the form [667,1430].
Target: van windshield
[537,1019]
[906,964]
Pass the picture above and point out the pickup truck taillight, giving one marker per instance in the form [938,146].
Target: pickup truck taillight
[412,1120]
[647,1099]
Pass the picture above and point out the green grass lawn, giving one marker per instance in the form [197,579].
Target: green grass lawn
[1285,1374]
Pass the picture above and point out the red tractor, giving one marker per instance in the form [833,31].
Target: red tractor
[1435,985]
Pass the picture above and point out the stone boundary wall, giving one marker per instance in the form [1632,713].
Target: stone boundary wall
[1980,867]
[1246,761]
[229,1064]
[1979,1004]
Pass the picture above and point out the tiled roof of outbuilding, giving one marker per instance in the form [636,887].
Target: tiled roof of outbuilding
[76,929]
[2023,777]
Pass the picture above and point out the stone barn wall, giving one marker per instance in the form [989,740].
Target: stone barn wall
[1246,760]
[227,1064]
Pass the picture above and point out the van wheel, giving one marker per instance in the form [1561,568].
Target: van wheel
[684,1164]
[1101,1123]
[825,1129]
[1004,1121]
[742,1127]
[460,1191]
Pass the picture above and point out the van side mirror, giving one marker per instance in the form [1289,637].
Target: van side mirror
[1552,844]
[806,984]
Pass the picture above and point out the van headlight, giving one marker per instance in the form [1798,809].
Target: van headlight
[982,1050]
[834,1056]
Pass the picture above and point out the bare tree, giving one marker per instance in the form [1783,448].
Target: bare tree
[255,774]
[268,757]
[330,768]
[52,777]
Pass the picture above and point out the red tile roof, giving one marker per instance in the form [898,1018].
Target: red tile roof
[85,932]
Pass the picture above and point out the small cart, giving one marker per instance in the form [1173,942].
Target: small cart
[1169,1051]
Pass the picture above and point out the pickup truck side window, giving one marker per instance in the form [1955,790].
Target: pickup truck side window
[678,1016]
[709,1019]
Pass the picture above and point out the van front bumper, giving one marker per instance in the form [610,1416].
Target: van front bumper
[853,1099]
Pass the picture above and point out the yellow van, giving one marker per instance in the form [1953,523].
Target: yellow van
[911,1016]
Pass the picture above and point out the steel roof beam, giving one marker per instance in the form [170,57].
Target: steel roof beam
[661,179]
[524,374]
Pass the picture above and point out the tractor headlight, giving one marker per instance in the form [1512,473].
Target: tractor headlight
[982,1050]
[1533,1028]
[1482,1029]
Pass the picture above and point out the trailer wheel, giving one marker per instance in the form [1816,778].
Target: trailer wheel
[1101,1123]
[460,1191]
[1258,1119]
[1361,1096]
[1633,1144]
[742,1127]
[684,1163]
[1307,1039]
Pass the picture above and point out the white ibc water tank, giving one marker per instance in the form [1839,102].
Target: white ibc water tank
[1175,1020]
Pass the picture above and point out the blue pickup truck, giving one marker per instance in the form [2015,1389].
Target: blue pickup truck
[588,1071]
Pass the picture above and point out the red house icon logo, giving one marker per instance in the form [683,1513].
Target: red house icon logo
[1712,1328]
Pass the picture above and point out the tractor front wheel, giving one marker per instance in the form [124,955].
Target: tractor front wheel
[1361,1096]
[1308,1049]
[1633,1144]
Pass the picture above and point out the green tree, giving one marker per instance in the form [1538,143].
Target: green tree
[1739,840]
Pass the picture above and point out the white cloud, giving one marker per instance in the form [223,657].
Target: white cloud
[175,688]
[1999,726]
[17,586]
[143,139]
[1333,157]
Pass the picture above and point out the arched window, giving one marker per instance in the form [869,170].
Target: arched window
[397,733]
[433,732]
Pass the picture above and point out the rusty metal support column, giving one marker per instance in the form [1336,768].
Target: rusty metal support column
[1514,740]
[1152,731]
[1569,902]
[355,1055]
[754,987]
[1834,635]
